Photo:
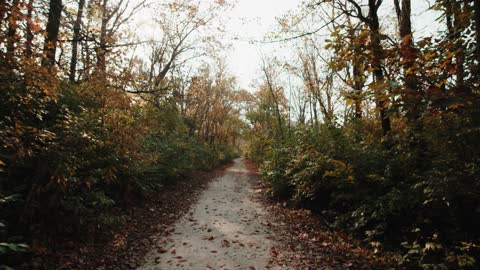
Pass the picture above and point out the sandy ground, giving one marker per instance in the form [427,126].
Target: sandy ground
[226,229]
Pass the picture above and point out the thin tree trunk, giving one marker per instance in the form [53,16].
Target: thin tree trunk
[86,54]
[377,50]
[328,91]
[358,76]
[411,94]
[357,91]
[53,27]
[412,97]
[75,40]
[460,69]
[29,34]
[12,31]
[3,11]
[476,6]
[101,49]
[454,26]
[277,106]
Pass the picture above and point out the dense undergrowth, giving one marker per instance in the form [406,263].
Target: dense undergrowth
[87,125]
[424,205]
[381,137]
[68,158]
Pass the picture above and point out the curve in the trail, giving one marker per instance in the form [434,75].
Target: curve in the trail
[225,229]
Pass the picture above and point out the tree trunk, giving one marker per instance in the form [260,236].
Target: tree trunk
[476,6]
[3,11]
[102,47]
[459,65]
[411,95]
[379,78]
[86,52]
[277,106]
[53,26]
[357,74]
[454,27]
[76,38]
[12,31]
[357,91]
[29,34]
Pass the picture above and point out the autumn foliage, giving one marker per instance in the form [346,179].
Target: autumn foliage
[85,129]
[382,138]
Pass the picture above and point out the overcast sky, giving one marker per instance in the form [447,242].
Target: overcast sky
[252,19]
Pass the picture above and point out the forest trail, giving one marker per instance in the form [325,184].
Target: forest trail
[225,229]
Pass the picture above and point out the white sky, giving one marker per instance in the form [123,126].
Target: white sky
[252,19]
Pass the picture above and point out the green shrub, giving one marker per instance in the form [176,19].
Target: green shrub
[420,199]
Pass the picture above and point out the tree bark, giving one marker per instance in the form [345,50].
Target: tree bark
[357,74]
[53,26]
[12,31]
[476,6]
[29,34]
[460,69]
[101,50]
[357,91]
[277,106]
[454,27]
[377,50]
[3,11]
[76,38]
[411,95]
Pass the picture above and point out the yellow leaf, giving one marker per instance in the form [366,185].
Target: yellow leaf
[439,84]
[430,56]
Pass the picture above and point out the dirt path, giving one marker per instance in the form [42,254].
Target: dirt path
[226,229]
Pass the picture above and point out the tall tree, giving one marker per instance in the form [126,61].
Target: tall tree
[29,32]
[75,40]
[3,11]
[101,50]
[319,90]
[112,18]
[408,52]
[12,25]
[267,72]
[455,19]
[373,23]
[476,6]
[53,27]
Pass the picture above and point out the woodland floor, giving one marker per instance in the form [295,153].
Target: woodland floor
[226,220]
